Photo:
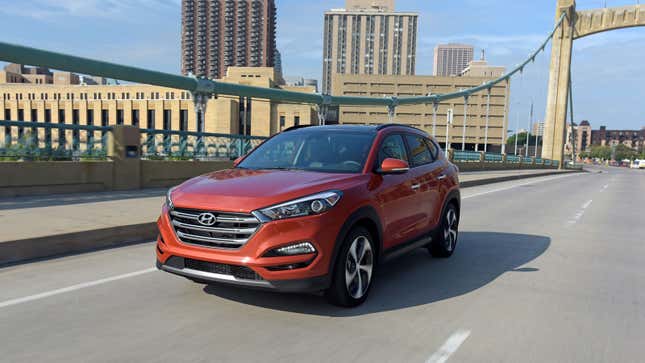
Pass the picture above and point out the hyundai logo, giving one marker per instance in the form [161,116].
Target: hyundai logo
[207,219]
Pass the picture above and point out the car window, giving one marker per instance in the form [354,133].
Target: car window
[392,147]
[434,150]
[419,153]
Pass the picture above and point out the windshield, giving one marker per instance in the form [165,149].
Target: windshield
[312,150]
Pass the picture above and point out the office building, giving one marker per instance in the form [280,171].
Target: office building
[452,59]
[368,37]
[217,34]
[156,107]
[421,115]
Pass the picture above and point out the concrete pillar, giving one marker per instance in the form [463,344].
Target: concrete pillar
[556,108]
[124,151]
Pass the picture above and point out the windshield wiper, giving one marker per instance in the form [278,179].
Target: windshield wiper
[282,168]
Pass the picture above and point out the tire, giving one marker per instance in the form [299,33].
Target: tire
[348,287]
[444,240]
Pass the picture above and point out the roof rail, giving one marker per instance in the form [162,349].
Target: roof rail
[381,127]
[296,127]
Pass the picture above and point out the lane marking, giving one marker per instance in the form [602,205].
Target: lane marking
[449,347]
[604,187]
[519,185]
[83,285]
[580,213]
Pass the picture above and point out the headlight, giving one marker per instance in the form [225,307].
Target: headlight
[313,204]
[169,198]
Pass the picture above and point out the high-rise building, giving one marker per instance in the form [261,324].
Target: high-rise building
[217,34]
[452,59]
[368,37]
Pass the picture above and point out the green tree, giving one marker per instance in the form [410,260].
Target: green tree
[600,152]
[623,152]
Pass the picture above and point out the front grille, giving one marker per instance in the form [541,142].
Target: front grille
[239,272]
[229,230]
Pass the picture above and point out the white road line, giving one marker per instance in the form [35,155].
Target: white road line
[449,347]
[604,187]
[580,213]
[83,285]
[519,185]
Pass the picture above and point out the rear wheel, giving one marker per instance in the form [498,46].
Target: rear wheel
[353,271]
[444,240]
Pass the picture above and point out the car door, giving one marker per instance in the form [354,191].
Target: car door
[395,196]
[426,169]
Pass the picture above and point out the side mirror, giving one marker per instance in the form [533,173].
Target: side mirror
[237,161]
[393,166]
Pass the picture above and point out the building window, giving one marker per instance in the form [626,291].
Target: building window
[183,120]
[119,117]
[105,117]
[296,120]
[89,117]
[135,118]
[167,120]
[61,116]
[34,115]
[282,121]
[151,119]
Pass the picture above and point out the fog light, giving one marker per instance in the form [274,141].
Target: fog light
[303,248]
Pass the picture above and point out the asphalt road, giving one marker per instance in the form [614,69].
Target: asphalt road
[547,270]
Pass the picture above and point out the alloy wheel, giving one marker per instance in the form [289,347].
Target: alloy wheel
[450,230]
[358,267]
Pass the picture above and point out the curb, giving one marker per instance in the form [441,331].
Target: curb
[27,250]
[475,183]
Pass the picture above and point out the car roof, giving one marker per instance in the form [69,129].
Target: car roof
[351,127]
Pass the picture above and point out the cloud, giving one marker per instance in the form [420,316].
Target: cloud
[48,9]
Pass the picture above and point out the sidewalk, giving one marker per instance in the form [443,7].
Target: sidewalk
[43,226]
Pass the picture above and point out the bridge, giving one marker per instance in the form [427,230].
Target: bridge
[549,264]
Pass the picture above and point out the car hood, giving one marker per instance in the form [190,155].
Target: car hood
[243,190]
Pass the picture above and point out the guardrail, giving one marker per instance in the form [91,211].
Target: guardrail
[487,161]
[46,141]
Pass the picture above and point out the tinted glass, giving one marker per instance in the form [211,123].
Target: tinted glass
[392,147]
[419,153]
[434,150]
[312,150]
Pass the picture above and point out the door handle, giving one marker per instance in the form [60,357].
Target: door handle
[442,177]
[416,186]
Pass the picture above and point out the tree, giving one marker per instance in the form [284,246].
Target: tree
[521,139]
[600,152]
[623,152]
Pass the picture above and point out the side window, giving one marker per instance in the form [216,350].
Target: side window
[392,147]
[434,150]
[419,153]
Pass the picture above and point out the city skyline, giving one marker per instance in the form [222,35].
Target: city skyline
[115,37]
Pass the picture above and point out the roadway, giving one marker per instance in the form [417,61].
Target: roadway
[548,269]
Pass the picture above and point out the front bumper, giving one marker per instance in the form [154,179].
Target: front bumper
[307,272]
[176,266]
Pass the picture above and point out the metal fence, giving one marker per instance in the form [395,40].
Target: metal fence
[190,145]
[47,141]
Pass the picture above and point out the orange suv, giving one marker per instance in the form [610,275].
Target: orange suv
[313,209]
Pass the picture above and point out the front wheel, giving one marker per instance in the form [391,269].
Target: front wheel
[444,240]
[353,271]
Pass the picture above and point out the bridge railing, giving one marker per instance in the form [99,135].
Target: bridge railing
[47,141]
[165,144]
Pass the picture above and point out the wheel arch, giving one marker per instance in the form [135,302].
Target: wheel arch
[366,217]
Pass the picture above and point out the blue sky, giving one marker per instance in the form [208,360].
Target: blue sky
[608,68]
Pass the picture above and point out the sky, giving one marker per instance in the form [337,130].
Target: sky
[608,68]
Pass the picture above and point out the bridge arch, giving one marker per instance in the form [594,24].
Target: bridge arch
[576,25]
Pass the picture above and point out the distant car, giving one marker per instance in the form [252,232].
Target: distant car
[638,164]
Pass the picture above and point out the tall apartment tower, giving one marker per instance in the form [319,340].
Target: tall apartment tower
[217,34]
[368,37]
[452,59]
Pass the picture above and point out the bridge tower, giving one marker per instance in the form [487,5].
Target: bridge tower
[576,25]
[557,99]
